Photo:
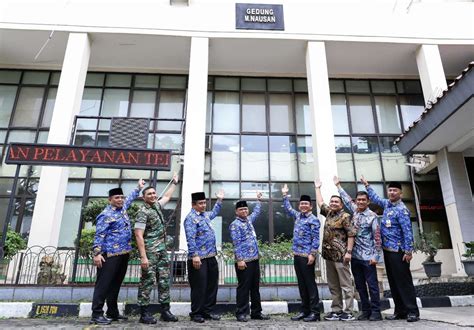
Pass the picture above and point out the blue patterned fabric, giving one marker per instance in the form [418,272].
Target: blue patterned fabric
[305,231]
[395,228]
[199,233]
[244,237]
[113,231]
[367,244]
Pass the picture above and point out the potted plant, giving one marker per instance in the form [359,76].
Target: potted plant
[469,261]
[429,244]
[14,242]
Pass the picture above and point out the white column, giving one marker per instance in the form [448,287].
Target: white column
[195,136]
[324,152]
[49,205]
[431,71]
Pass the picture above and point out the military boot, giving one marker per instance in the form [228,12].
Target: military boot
[166,315]
[145,316]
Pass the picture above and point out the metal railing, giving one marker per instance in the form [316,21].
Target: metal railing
[50,266]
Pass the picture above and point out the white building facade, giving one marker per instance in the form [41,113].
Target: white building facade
[243,107]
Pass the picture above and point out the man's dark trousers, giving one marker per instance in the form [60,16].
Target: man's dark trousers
[365,275]
[249,282]
[203,282]
[401,283]
[307,285]
[107,285]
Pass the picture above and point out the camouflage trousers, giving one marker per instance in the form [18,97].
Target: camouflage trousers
[159,270]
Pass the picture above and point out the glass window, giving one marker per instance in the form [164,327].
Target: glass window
[253,113]
[387,114]
[143,104]
[105,173]
[412,107]
[209,112]
[393,161]
[249,190]
[225,157]
[339,114]
[225,115]
[28,107]
[345,168]
[261,223]
[305,158]
[366,157]
[282,222]
[168,141]
[231,189]
[283,158]
[7,99]
[55,76]
[409,86]
[303,114]
[9,77]
[383,86]
[90,105]
[254,159]
[101,188]
[171,107]
[115,103]
[118,80]
[281,113]
[300,85]
[95,79]
[35,78]
[48,109]
[70,222]
[253,84]
[336,86]
[357,86]
[229,84]
[43,137]
[146,81]
[75,188]
[85,139]
[361,114]
[178,82]
[279,85]
[275,188]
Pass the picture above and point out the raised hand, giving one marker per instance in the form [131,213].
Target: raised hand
[284,189]
[336,180]
[364,181]
[317,183]
[175,178]
[220,194]
[141,183]
[259,195]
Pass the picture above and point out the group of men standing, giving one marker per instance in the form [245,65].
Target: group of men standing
[352,240]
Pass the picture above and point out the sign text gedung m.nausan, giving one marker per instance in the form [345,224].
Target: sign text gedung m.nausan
[259,16]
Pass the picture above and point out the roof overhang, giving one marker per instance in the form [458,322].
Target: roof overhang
[447,123]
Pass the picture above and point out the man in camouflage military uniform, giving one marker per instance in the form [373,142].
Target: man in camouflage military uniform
[150,233]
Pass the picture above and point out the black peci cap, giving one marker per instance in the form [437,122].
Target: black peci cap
[395,184]
[115,191]
[305,198]
[198,196]
[240,204]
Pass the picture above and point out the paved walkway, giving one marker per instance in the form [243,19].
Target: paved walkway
[451,317]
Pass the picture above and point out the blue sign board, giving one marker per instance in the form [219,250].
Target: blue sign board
[249,16]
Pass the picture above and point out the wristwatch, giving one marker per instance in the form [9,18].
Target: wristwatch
[349,251]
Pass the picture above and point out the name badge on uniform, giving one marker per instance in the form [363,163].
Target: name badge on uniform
[388,223]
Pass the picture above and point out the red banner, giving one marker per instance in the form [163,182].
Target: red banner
[65,155]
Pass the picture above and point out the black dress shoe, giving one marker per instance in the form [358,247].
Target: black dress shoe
[375,316]
[197,319]
[312,317]
[167,316]
[117,318]
[213,317]
[395,317]
[241,318]
[100,320]
[412,318]
[259,316]
[364,316]
[299,317]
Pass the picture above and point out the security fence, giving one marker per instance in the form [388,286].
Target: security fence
[51,266]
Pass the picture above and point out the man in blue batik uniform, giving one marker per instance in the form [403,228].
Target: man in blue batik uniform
[203,273]
[305,249]
[397,244]
[247,266]
[366,253]
[112,245]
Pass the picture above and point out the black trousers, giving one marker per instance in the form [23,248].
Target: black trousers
[365,275]
[107,285]
[401,283]
[307,285]
[249,282]
[203,282]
